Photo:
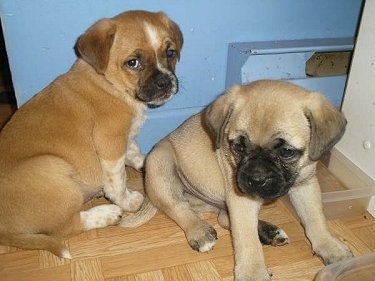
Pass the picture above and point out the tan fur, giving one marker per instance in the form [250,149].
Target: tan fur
[198,154]
[71,141]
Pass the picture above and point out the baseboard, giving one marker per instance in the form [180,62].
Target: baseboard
[371,206]
[351,176]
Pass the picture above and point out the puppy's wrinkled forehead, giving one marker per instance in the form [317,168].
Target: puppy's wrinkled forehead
[148,31]
[267,116]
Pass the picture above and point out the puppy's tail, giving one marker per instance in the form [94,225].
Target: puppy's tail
[36,242]
[143,215]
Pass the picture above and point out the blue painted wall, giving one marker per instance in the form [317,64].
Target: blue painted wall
[40,35]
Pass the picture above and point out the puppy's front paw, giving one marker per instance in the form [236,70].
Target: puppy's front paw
[333,251]
[202,238]
[133,201]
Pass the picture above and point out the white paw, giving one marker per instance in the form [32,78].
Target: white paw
[101,216]
[207,246]
[133,201]
[281,238]
[202,238]
[66,255]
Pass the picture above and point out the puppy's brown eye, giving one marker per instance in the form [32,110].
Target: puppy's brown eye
[134,64]
[238,145]
[287,153]
[171,53]
[238,148]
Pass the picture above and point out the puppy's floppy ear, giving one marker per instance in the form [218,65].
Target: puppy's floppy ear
[326,122]
[94,45]
[218,115]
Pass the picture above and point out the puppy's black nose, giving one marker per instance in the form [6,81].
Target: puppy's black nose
[259,180]
[163,82]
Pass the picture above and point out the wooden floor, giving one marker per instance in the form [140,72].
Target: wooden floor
[158,251]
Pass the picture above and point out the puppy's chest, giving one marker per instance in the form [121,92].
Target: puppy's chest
[138,121]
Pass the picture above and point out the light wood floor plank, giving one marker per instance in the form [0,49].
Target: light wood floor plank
[180,272]
[87,270]
[303,270]
[203,271]
[59,273]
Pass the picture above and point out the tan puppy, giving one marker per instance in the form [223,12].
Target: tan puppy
[70,143]
[254,143]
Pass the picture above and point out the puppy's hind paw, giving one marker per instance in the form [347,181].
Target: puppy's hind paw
[101,216]
[270,234]
[133,201]
[202,238]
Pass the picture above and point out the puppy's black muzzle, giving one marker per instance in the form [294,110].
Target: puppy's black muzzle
[261,177]
[158,88]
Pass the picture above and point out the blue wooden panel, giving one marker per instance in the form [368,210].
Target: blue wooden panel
[275,66]
[160,123]
[332,87]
